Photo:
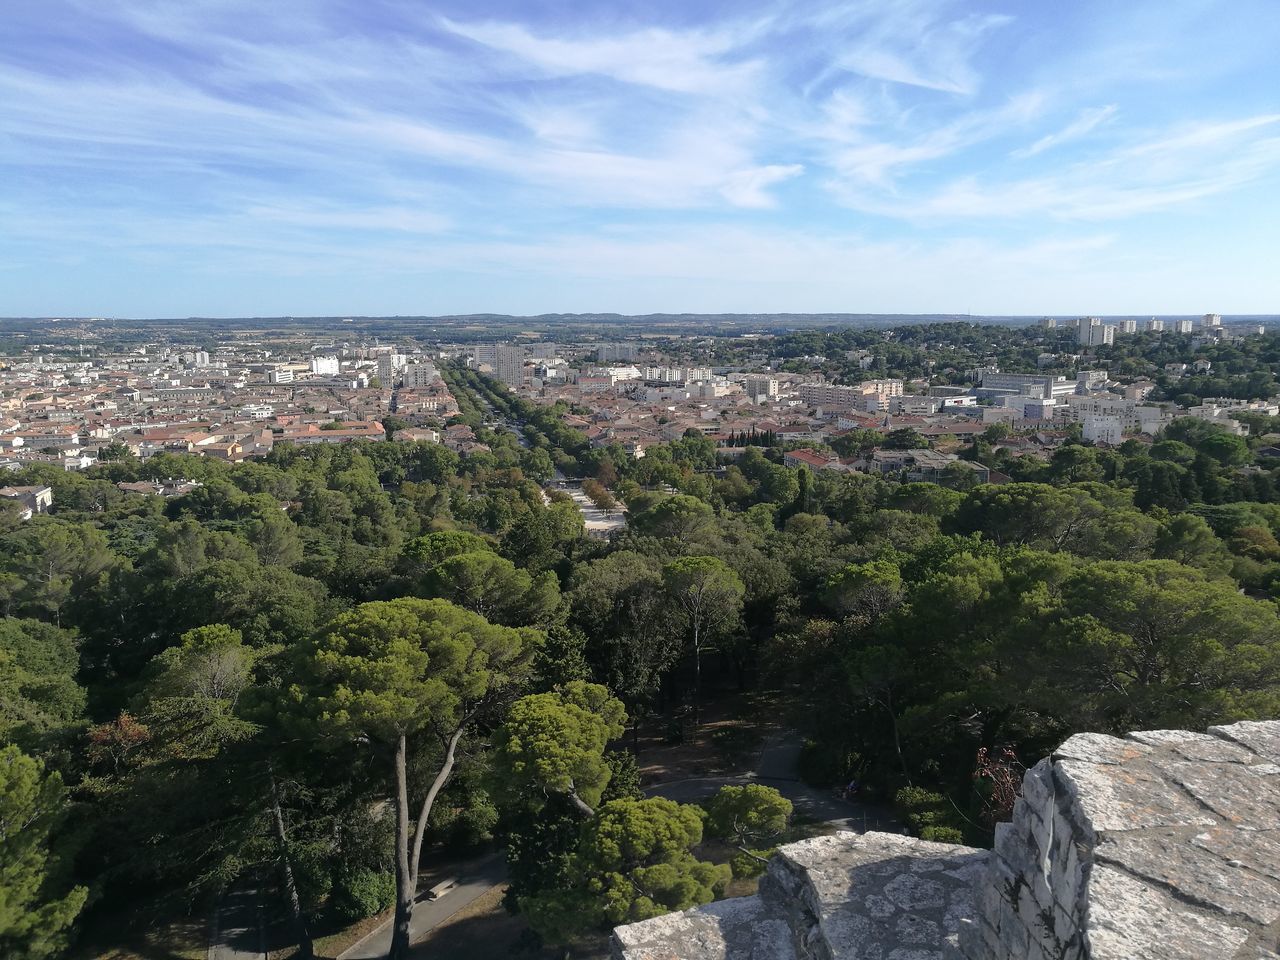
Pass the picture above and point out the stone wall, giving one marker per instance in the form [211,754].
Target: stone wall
[1164,845]
[1161,845]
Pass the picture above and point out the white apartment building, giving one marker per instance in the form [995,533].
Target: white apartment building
[676,374]
[761,388]
[862,395]
[325,366]
[1183,326]
[616,351]
[1094,333]
[390,365]
[1211,320]
[916,406]
[1108,430]
[1031,384]
[419,375]
[1153,326]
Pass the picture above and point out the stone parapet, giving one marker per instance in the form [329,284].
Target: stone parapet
[1163,845]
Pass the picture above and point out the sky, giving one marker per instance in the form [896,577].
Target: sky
[312,157]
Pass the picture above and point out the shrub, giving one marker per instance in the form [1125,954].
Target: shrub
[360,894]
[928,814]
[826,764]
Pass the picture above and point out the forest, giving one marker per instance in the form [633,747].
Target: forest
[324,665]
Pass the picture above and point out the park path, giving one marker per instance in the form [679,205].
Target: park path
[778,767]
[238,931]
[474,880]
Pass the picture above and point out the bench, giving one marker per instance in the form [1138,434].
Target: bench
[441,888]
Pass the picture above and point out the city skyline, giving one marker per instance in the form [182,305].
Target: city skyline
[925,157]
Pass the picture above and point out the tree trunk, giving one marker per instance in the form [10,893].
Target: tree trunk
[697,676]
[579,804]
[305,948]
[442,777]
[406,884]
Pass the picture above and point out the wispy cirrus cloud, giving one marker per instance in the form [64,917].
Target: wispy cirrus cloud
[288,133]
[1088,121]
[1153,174]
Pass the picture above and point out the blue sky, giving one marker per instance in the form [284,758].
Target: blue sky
[220,157]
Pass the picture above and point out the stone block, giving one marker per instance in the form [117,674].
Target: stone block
[1129,920]
[1260,736]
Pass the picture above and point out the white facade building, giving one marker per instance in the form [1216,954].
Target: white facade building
[325,366]
[1108,430]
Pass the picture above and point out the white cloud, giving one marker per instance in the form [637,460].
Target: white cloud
[687,62]
[1086,123]
[748,188]
[1156,174]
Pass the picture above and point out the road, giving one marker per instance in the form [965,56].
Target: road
[778,767]
[476,879]
[237,932]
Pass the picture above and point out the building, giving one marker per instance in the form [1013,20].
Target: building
[1049,322]
[280,374]
[1032,384]
[1094,333]
[1153,326]
[761,388]
[613,352]
[325,366]
[390,365]
[1183,326]
[420,374]
[508,364]
[30,500]
[415,434]
[1128,326]
[1108,430]
[875,392]
[1211,321]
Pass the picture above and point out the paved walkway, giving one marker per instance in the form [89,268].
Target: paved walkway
[778,767]
[475,879]
[237,932]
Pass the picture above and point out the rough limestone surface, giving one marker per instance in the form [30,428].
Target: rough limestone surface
[877,896]
[745,928]
[1162,845]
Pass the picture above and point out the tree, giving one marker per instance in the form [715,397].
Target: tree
[401,674]
[597,494]
[1156,644]
[39,696]
[905,438]
[707,595]
[555,742]
[1019,514]
[421,554]
[494,587]
[34,914]
[753,818]
[680,517]
[617,602]
[633,863]
[865,590]
[1075,463]
[1187,539]
[115,450]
